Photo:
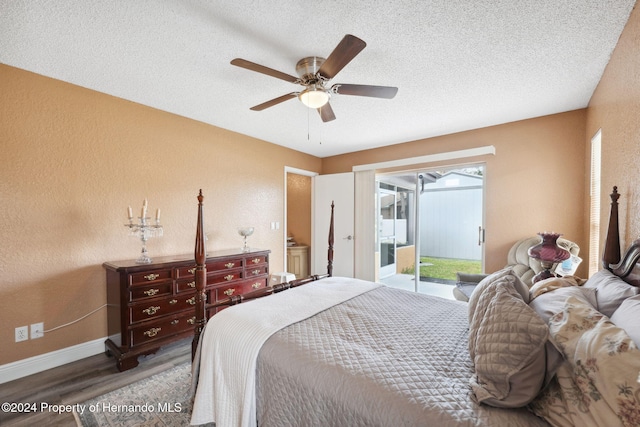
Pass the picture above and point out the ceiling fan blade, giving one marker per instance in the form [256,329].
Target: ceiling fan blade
[264,70]
[346,50]
[326,113]
[274,101]
[387,92]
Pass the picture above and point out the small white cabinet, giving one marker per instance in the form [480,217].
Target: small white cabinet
[298,261]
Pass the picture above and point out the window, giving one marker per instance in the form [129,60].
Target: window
[594,217]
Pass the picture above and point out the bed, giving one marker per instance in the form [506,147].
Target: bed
[340,351]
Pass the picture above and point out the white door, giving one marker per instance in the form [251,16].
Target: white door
[338,188]
[387,232]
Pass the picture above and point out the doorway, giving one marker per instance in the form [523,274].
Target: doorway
[297,221]
[431,223]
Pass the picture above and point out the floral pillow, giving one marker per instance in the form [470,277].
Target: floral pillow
[598,384]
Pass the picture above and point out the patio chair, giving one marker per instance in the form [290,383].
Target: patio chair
[518,258]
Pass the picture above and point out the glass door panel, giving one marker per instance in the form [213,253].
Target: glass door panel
[387,232]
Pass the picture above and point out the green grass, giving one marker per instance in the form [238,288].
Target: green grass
[444,268]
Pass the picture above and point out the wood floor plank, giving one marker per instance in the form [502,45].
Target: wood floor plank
[82,380]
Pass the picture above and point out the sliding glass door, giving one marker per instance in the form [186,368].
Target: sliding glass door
[430,223]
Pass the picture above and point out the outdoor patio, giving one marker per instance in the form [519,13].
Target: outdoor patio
[406,282]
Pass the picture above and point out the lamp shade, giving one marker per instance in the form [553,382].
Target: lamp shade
[314,98]
[548,249]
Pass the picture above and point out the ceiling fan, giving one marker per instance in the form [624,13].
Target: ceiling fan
[314,73]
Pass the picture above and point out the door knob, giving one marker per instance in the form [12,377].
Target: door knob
[349,237]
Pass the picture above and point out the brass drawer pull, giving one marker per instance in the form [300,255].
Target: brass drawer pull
[192,270]
[229,292]
[192,320]
[192,301]
[191,284]
[255,272]
[175,322]
[151,292]
[256,285]
[256,260]
[230,264]
[152,332]
[151,276]
[173,301]
[151,310]
[228,277]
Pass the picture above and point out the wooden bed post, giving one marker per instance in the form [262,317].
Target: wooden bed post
[201,305]
[331,240]
[201,279]
[611,253]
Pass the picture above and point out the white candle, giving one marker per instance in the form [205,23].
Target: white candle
[130,212]
[157,214]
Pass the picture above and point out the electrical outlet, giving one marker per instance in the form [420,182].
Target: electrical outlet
[22,333]
[37,330]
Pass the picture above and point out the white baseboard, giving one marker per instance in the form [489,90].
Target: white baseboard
[22,368]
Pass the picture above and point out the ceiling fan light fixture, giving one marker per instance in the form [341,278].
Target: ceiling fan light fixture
[313,97]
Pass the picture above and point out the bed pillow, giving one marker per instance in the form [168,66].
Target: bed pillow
[497,277]
[506,344]
[610,291]
[550,303]
[598,384]
[627,317]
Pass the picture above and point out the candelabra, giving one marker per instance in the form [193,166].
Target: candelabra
[144,229]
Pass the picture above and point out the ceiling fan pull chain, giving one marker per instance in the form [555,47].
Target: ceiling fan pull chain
[308,132]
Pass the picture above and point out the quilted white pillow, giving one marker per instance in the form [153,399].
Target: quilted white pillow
[506,344]
[497,278]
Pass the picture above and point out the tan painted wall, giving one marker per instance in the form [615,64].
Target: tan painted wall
[533,183]
[615,108]
[74,159]
[405,258]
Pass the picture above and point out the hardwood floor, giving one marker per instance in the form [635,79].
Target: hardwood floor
[80,381]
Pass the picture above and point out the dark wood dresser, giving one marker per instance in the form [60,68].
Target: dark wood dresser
[151,305]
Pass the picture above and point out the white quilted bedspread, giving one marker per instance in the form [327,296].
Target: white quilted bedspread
[232,340]
[385,358]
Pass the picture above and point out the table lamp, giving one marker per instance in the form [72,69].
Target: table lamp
[548,252]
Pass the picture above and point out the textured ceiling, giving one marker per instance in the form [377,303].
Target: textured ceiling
[458,64]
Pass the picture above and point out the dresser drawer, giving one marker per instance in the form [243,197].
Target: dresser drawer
[255,260]
[186,271]
[162,328]
[150,277]
[226,277]
[257,270]
[157,290]
[160,307]
[186,285]
[227,264]
[239,288]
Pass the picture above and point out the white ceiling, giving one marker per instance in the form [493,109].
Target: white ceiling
[458,64]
